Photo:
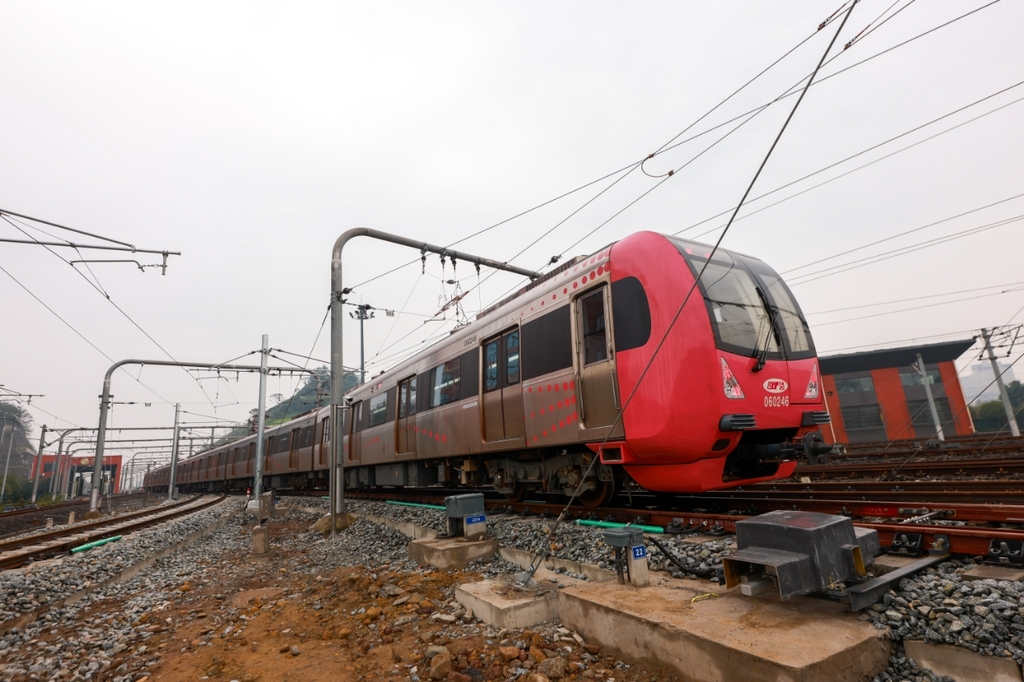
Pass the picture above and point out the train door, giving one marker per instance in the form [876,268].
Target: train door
[501,390]
[596,396]
[355,441]
[405,425]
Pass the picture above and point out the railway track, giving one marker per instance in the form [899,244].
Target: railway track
[916,468]
[965,528]
[21,520]
[39,546]
[953,445]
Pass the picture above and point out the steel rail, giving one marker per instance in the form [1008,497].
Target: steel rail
[98,530]
[36,538]
[962,467]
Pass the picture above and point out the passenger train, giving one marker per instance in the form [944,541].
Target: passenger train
[597,359]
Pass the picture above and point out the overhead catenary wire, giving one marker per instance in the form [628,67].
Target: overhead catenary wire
[863,166]
[752,112]
[901,251]
[913,298]
[634,165]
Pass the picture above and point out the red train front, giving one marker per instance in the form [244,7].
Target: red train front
[719,400]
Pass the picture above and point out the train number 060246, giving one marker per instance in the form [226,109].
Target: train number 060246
[776,401]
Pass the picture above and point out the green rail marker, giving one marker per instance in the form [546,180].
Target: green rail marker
[415,504]
[97,543]
[612,524]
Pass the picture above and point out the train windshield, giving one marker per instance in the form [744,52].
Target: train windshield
[752,310]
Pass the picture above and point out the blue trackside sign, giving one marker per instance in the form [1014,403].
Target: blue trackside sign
[639,552]
[475,519]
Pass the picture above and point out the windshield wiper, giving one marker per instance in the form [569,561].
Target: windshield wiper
[773,330]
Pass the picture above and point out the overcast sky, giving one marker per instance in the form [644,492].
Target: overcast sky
[248,136]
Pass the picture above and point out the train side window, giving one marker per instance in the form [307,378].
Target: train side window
[378,409]
[512,358]
[407,398]
[446,383]
[284,443]
[491,349]
[595,342]
[357,417]
[325,437]
[547,343]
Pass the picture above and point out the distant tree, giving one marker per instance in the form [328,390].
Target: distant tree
[11,413]
[1016,392]
[989,416]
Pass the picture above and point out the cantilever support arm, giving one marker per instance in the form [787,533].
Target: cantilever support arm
[338,292]
[101,432]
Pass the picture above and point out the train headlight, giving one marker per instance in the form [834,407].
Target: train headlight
[730,384]
[812,385]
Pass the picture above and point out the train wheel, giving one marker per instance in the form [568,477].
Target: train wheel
[517,495]
[602,495]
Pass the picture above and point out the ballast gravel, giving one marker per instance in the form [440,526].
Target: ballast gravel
[582,544]
[37,586]
[936,606]
[939,606]
[39,651]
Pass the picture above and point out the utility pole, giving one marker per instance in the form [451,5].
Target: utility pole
[931,400]
[10,443]
[39,465]
[363,312]
[986,334]
[171,484]
[261,420]
[56,463]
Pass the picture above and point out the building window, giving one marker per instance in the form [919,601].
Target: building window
[862,417]
[854,384]
[909,376]
[921,414]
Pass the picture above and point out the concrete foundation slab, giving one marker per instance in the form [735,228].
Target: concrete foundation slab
[706,634]
[451,553]
[962,665]
[523,559]
[500,604]
[986,572]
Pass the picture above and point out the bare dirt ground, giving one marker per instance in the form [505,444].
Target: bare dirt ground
[295,618]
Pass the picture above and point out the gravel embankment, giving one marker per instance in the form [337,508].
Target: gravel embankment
[36,586]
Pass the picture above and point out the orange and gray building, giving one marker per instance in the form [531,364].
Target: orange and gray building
[879,395]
